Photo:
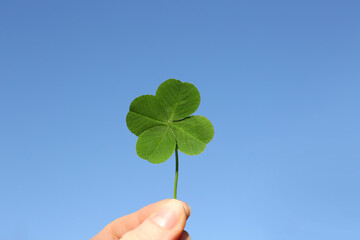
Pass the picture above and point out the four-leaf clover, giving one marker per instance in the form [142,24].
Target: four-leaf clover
[163,122]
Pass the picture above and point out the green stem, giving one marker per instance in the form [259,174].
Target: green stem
[176,171]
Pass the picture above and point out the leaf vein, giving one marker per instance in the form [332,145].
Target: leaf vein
[148,117]
[176,102]
[157,145]
[189,134]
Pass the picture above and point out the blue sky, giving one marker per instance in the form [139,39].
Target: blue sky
[279,80]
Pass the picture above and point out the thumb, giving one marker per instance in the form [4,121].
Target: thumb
[166,224]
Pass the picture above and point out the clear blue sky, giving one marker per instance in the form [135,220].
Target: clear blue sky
[280,81]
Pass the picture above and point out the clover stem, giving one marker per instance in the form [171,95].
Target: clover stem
[176,170]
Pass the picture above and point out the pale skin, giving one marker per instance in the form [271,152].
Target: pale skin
[164,220]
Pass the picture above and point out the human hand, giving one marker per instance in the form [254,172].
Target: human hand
[164,220]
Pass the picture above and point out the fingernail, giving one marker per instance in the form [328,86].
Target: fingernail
[187,209]
[167,217]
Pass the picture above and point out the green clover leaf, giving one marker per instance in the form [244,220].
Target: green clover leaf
[164,124]
[163,120]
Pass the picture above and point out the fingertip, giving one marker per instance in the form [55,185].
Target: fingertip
[186,207]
